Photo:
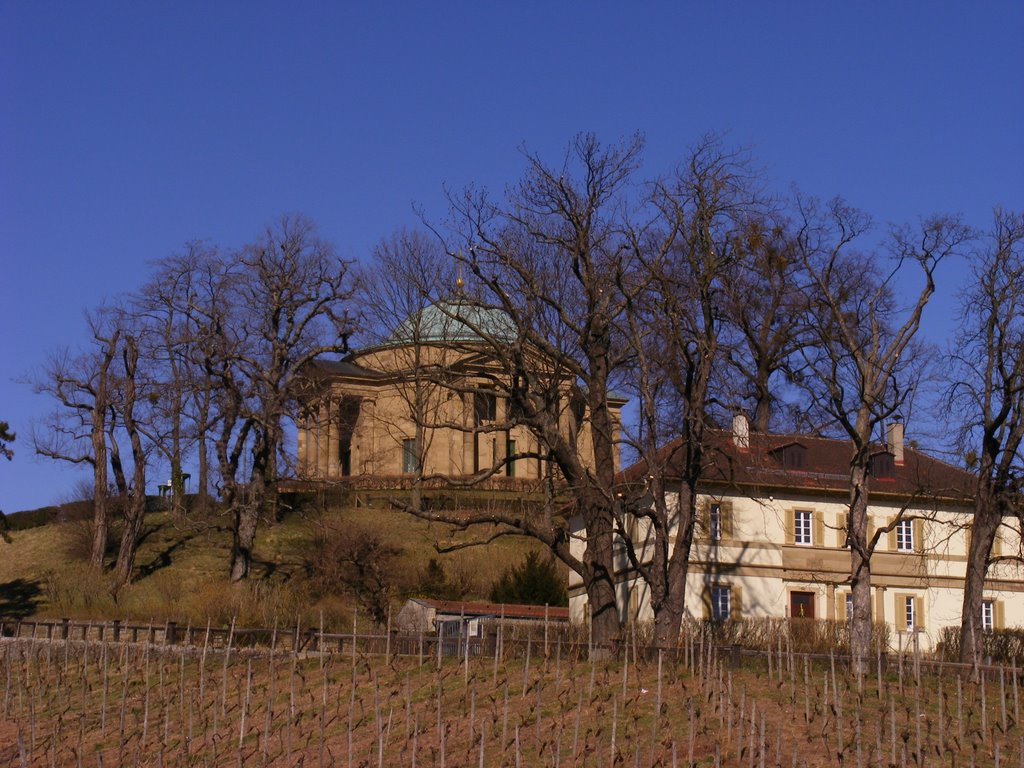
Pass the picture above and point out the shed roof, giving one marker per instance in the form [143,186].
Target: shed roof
[477,609]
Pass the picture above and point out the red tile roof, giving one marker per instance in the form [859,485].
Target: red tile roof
[826,467]
[510,611]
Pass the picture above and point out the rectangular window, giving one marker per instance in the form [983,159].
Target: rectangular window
[849,606]
[485,407]
[720,603]
[802,528]
[510,466]
[905,536]
[988,616]
[909,613]
[410,461]
[715,522]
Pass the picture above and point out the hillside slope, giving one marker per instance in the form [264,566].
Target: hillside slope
[313,561]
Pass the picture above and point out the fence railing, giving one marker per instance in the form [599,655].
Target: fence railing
[514,641]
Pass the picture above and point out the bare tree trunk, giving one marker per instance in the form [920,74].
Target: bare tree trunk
[100,521]
[983,534]
[203,481]
[668,617]
[860,570]
[599,580]
[762,411]
[134,495]
[134,517]
[246,517]
[100,492]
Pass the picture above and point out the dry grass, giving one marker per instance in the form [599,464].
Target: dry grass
[181,569]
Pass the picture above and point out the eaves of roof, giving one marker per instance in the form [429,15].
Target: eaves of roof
[758,469]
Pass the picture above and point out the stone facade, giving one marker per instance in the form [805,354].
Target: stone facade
[432,403]
[771,541]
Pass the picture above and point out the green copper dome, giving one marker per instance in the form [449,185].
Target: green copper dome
[455,321]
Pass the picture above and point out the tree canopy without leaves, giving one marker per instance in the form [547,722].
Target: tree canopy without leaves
[675,328]
[216,343]
[988,388]
[863,367]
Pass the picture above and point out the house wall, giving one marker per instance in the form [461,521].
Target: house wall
[755,557]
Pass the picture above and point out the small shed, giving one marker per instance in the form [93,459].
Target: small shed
[420,614]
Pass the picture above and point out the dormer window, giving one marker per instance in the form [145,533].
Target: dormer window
[883,465]
[791,455]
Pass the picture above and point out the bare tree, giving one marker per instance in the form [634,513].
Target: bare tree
[76,431]
[181,393]
[542,297]
[863,368]
[129,397]
[101,398]
[989,389]
[409,274]
[764,318]
[675,328]
[287,302]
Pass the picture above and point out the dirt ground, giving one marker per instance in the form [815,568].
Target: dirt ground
[115,705]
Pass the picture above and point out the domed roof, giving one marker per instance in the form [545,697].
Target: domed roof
[455,321]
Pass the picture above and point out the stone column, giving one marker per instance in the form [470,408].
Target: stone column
[333,437]
[467,435]
[502,438]
[322,435]
[301,445]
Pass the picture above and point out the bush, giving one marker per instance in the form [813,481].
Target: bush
[535,581]
[1001,645]
[799,635]
[356,560]
[434,582]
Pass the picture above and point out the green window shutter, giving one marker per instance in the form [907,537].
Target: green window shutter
[998,617]
[725,515]
[705,600]
[997,544]
[818,529]
[892,535]
[735,602]
[918,613]
[790,526]
[841,606]
[919,535]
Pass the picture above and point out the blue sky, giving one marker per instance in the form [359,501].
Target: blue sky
[127,129]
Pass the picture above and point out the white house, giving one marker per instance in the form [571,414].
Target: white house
[771,537]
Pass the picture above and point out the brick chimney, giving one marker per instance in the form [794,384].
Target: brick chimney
[740,431]
[894,438]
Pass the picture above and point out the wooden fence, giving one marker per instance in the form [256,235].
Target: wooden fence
[507,642]
[515,640]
